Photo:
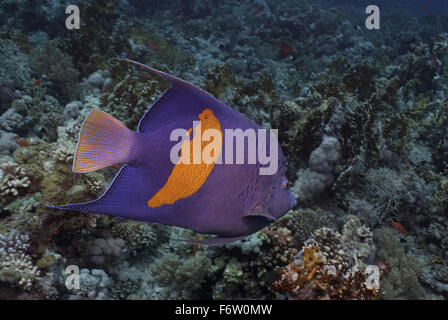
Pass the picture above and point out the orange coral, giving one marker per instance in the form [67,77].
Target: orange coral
[316,278]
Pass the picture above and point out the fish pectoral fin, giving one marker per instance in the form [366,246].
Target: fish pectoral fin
[260,210]
[216,241]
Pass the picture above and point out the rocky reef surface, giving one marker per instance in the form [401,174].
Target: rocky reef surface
[362,118]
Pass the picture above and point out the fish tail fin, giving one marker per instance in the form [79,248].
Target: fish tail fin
[103,141]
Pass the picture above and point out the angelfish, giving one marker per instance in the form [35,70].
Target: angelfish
[230,201]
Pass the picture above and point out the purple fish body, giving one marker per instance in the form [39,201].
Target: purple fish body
[234,201]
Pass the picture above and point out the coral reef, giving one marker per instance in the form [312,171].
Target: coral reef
[15,66]
[362,120]
[401,282]
[7,142]
[320,176]
[41,114]
[129,98]
[11,121]
[50,62]
[248,245]
[14,180]
[94,284]
[139,236]
[331,266]
[231,279]
[305,221]
[106,252]
[16,266]
[281,249]
[180,277]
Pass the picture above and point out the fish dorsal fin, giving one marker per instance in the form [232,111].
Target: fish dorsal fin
[260,210]
[181,99]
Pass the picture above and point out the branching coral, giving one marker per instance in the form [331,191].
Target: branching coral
[14,180]
[16,266]
[95,183]
[386,187]
[384,192]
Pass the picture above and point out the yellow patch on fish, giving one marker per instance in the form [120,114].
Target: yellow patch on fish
[197,160]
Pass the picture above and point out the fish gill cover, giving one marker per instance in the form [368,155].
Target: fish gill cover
[358,103]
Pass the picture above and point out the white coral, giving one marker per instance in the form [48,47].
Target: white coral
[15,265]
[14,179]
[67,136]
[64,153]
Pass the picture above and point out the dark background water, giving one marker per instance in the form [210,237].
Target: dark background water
[416,7]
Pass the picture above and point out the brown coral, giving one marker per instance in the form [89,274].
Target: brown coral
[318,279]
[330,267]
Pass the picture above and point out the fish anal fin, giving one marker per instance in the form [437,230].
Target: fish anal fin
[125,197]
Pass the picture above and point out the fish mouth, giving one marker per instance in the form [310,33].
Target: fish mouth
[293,200]
[284,182]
